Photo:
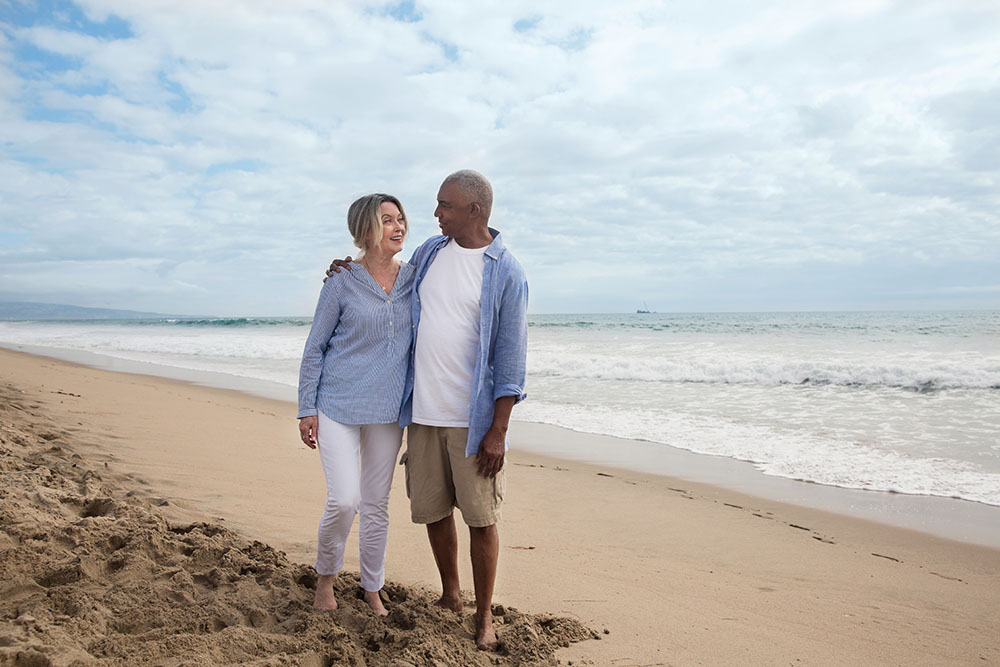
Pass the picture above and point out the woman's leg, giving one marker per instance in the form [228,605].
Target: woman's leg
[379,447]
[338,446]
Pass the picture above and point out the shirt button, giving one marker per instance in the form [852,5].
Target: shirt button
[390,323]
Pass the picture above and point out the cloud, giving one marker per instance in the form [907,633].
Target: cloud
[166,155]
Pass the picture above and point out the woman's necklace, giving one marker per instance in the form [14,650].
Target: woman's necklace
[391,282]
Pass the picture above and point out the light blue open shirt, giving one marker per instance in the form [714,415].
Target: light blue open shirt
[503,334]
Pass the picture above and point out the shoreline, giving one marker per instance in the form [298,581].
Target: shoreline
[952,518]
[667,567]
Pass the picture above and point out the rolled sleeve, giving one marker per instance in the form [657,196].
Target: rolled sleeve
[509,390]
[511,351]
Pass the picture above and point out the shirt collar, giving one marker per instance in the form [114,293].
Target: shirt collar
[493,250]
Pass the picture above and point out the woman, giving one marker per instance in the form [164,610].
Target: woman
[350,388]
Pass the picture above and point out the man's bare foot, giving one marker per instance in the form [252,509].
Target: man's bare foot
[375,602]
[486,636]
[325,599]
[449,602]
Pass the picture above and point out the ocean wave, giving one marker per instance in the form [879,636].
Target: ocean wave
[810,457]
[187,322]
[916,377]
[852,324]
[228,322]
[171,343]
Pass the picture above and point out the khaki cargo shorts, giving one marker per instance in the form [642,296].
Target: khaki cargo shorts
[440,477]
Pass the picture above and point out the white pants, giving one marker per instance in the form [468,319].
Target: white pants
[349,489]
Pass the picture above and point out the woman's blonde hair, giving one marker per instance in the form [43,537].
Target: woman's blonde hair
[365,223]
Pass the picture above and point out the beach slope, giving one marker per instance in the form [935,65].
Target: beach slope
[97,568]
[137,514]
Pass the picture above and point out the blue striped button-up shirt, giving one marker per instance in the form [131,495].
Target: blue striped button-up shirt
[356,357]
[503,334]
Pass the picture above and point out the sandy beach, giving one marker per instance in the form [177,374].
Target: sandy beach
[153,521]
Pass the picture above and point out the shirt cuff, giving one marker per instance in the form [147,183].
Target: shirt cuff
[509,390]
[307,412]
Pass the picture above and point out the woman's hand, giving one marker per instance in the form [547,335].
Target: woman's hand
[307,429]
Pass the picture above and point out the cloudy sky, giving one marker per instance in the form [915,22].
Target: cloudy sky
[198,156]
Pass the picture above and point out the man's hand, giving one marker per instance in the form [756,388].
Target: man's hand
[307,430]
[489,460]
[338,264]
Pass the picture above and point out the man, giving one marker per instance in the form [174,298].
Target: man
[468,371]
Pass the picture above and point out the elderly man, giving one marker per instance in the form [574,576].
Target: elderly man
[470,315]
[470,318]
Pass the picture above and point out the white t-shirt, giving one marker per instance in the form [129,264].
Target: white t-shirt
[447,336]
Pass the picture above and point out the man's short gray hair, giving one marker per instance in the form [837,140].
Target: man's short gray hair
[476,186]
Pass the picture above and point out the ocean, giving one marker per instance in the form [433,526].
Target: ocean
[907,402]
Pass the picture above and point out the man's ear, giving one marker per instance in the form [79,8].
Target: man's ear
[475,210]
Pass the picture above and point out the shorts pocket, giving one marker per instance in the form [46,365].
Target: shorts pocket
[404,461]
[499,486]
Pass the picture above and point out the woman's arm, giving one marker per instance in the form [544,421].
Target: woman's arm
[323,325]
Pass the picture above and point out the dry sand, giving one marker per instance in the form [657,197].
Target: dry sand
[135,512]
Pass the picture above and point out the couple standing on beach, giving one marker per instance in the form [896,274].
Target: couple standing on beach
[436,345]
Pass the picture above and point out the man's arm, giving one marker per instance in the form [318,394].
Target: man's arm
[338,264]
[509,370]
[489,460]
[511,350]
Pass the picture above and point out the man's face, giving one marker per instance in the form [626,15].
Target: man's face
[454,211]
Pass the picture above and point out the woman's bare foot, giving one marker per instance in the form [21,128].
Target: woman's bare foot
[486,636]
[375,602]
[449,602]
[325,599]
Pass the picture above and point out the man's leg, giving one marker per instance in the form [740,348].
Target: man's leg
[444,544]
[480,499]
[432,495]
[484,545]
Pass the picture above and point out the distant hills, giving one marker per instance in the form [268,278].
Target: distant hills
[32,310]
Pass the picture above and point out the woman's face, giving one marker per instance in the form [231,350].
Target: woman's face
[393,228]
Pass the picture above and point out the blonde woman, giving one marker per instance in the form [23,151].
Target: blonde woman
[350,388]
